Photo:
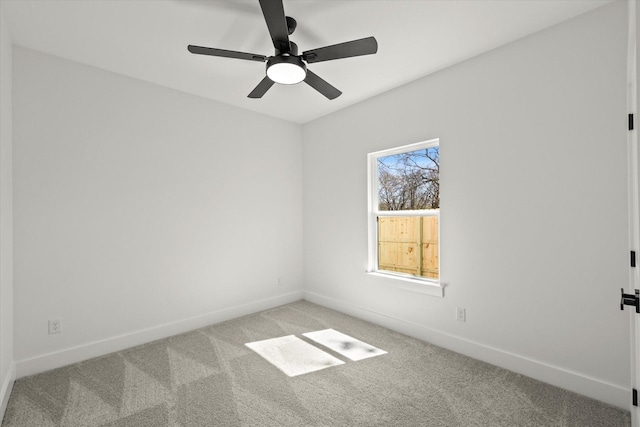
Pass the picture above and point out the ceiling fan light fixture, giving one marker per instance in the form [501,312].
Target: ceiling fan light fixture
[286,69]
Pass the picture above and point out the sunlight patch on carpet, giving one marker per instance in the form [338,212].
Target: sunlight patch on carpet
[344,344]
[293,356]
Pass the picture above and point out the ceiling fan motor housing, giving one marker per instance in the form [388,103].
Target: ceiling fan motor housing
[293,50]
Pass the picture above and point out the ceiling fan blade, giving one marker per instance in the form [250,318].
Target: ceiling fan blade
[262,88]
[199,50]
[366,46]
[273,12]
[321,86]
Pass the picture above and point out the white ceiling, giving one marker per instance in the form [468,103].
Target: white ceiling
[147,39]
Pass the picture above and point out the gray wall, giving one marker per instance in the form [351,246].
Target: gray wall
[533,205]
[7,369]
[139,207]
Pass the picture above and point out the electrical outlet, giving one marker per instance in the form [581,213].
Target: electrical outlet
[278,281]
[461,314]
[55,326]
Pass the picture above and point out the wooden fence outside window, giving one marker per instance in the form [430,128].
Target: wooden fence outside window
[409,245]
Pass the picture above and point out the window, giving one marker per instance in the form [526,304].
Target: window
[404,211]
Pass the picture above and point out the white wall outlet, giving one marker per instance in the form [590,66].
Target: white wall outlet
[278,281]
[461,314]
[55,326]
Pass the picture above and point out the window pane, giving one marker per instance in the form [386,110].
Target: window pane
[409,181]
[409,244]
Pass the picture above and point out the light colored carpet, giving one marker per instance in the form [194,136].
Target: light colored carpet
[208,377]
[343,344]
[293,356]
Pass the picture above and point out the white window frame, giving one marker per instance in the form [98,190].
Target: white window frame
[405,281]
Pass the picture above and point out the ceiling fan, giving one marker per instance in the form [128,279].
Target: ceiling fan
[286,66]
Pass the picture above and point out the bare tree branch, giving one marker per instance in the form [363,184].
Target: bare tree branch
[410,180]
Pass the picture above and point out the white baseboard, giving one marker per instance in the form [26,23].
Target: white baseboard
[45,362]
[5,391]
[570,380]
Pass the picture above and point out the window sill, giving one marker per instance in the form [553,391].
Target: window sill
[410,284]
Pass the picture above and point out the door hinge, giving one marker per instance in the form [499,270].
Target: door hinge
[634,397]
[630,299]
[633,258]
[631,121]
